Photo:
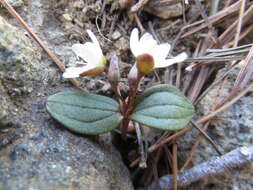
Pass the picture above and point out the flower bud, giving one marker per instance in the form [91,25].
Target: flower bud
[113,71]
[133,76]
[145,63]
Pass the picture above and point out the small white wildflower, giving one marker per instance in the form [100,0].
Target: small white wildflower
[92,55]
[151,54]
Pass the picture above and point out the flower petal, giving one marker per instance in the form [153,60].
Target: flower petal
[74,72]
[96,46]
[147,43]
[93,37]
[81,51]
[88,52]
[161,51]
[179,58]
[134,42]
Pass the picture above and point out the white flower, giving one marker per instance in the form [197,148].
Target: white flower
[91,53]
[147,45]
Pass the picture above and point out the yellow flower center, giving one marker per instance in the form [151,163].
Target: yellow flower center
[145,63]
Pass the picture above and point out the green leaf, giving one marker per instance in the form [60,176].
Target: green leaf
[163,107]
[84,113]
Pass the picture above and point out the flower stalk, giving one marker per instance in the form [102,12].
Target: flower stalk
[148,54]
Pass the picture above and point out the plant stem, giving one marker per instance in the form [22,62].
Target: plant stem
[128,106]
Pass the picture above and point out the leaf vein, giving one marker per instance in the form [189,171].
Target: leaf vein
[157,105]
[86,121]
[84,107]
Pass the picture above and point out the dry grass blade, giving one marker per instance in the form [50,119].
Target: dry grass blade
[143,162]
[207,137]
[247,30]
[211,32]
[175,167]
[214,59]
[214,19]
[239,26]
[246,72]
[217,81]
[227,36]
[194,148]
[226,105]
[139,5]
[229,52]
[238,48]
[170,138]
[37,39]
[220,55]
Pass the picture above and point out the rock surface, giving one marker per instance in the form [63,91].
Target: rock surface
[231,129]
[15,3]
[165,9]
[35,151]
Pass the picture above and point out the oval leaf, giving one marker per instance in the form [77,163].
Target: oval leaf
[84,113]
[163,107]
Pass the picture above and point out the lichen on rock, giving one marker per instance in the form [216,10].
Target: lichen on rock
[18,57]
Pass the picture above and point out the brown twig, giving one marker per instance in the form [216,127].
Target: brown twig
[190,75]
[139,5]
[170,138]
[213,59]
[138,22]
[193,149]
[226,36]
[214,19]
[217,81]
[168,156]
[178,76]
[239,26]
[37,39]
[202,132]
[143,161]
[242,35]
[215,166]
[246,72]
[226,105]
[175,167]
[207,21]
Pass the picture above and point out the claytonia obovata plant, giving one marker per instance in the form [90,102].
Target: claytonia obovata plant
[161,107]
[149,54]
[91,53]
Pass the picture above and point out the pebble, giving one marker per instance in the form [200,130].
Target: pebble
[116,35]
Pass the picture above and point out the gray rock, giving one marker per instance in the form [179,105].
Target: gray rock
[47,156]
[35,151]
[231,129]
[164,9]
[18,59]
[16,3]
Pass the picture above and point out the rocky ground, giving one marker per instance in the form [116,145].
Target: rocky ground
[36,152]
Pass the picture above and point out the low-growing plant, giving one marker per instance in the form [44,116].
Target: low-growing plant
[162,107]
